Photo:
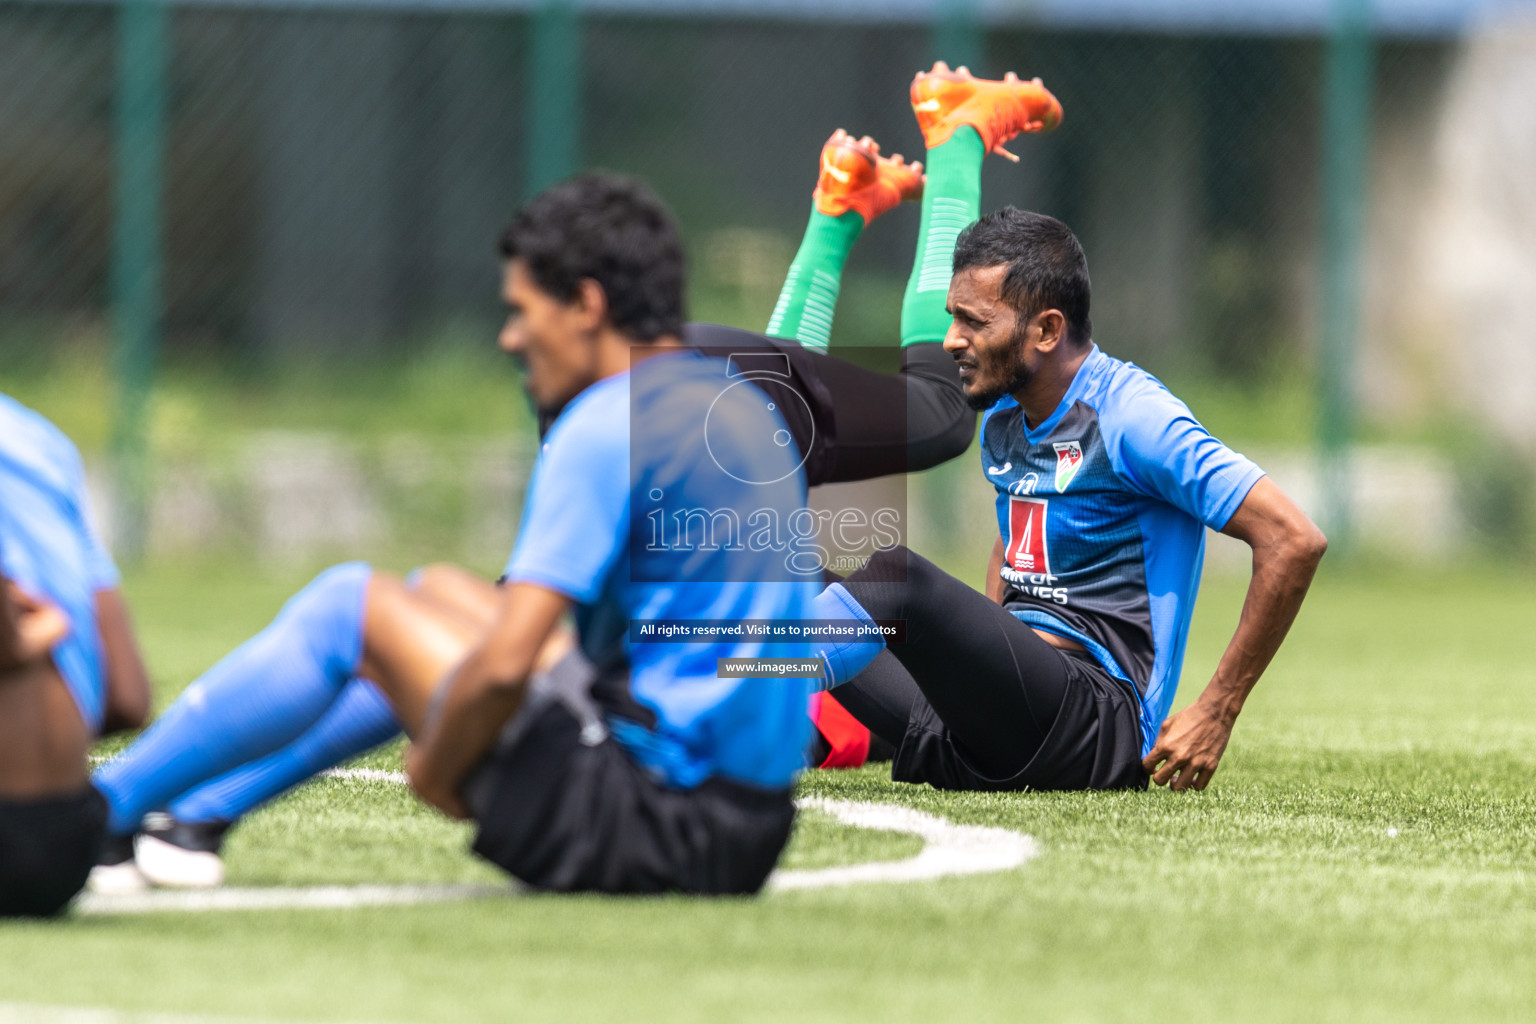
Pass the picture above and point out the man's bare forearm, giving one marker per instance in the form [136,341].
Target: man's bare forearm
[10,638]
[127,680]
[1274,597]
[474,711]
[484,692]
[1286,550]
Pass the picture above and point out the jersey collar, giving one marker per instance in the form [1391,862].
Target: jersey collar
[1075,391]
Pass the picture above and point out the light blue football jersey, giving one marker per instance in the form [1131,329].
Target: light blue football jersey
[48,545]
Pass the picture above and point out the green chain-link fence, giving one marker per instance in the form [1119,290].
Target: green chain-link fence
[311,194]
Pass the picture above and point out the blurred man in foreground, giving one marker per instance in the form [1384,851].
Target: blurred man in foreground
[69,666]
[589,761]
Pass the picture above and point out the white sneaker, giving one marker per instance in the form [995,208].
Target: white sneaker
[116,873]
[175,867]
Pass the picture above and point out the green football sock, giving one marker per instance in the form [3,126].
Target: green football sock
[806,303]
[951,202]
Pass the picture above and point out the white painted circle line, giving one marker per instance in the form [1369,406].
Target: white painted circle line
[41,1013]
[321,897]
[366,775]
[948,849]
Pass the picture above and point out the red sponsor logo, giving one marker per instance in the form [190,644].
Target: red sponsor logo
[1027,550]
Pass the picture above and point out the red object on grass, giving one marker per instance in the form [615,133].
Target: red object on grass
[846,736]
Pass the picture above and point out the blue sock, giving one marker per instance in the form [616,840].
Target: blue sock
[360,720]
[259,698]
[845,657]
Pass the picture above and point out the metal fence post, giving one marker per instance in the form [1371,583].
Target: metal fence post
[137,261]
[958,37]
[1345,168]
[553,142]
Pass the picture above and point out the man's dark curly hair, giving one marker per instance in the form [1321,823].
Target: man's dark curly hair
[1046,265]
[614,230]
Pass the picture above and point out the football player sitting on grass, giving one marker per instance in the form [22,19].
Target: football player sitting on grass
[588,761]
[1062,675]
[69,666]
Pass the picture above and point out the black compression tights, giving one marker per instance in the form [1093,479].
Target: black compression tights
[885,423]
[991,679]
[896,422]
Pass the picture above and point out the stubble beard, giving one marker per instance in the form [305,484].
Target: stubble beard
[1014,376]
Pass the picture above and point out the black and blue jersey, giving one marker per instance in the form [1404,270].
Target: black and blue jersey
[1102,510]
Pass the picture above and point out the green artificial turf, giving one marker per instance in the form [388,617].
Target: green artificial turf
[1403,701]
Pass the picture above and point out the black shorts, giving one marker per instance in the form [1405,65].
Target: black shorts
[562,807]
[1095,742]
[47,850]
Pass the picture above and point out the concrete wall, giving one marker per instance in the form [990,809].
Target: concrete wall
[1452,272]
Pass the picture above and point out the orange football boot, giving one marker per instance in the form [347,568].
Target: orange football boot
[943,100]
[854,176]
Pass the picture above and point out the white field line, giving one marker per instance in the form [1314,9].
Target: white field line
[42,1013]
[366,775]
[948,850]
[318,897]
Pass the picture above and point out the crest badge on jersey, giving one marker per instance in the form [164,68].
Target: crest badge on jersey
[1069,458]
[1027,550]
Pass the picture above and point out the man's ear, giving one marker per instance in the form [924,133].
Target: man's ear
[1053,329]
[590,304]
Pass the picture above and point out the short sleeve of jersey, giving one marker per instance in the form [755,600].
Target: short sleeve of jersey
[576,515]
[67,475]
[1162,450]
[103,571]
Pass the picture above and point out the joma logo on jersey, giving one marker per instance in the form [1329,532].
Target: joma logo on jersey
[1027,550]
[1069,456]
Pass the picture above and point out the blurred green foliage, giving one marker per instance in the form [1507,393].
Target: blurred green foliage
[450,383]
